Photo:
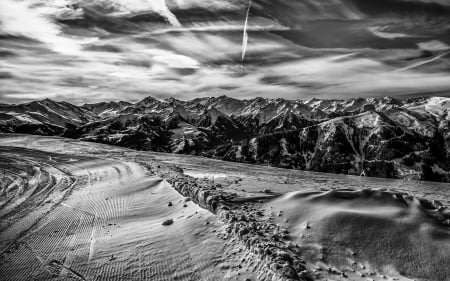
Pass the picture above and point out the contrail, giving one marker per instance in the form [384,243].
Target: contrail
[160,6]
[245,36]
[422,62]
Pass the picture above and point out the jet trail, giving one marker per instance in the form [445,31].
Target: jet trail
[245,36]
[160,6]
[422,62]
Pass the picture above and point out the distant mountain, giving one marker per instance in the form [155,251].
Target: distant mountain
[107,109]
[45,117]
[382,137]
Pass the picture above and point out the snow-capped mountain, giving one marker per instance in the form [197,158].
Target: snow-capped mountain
[43,117]
[48,111]
[375,136]
[106,109]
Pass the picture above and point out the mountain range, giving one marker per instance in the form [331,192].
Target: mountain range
[380,137]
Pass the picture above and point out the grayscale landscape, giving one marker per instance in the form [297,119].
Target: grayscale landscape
[244,140]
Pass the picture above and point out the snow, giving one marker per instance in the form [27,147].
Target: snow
[206,175]
[370,120]
[24,118]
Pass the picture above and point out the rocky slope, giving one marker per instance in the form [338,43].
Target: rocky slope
[45,117]
[382,137]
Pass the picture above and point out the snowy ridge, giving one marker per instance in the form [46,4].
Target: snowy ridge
[375,136]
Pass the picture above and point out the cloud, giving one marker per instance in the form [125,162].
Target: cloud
[294,13]
[203,56]
[35,19]
[176,61]
[355,77]
[440,2]
[160,7]
[18,18]
[420,63]
[218,27]
[434,45]
[379,31]
[121,7]
[322,77]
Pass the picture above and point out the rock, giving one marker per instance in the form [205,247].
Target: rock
[167,222]
[275,237]
[304,275]
[289,272]
[170,204]
[243,231]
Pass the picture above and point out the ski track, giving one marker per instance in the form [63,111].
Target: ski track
[104,223]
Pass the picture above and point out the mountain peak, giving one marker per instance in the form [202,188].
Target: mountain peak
[172,100]
[212,114]
[148,101]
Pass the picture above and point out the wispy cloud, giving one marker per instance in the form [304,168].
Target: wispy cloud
[380,32]
[19,18]
[286,55]
[423,62]
[434,45]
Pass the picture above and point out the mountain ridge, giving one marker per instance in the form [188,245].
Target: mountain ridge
[383,137]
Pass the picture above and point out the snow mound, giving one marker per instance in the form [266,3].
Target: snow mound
[370,232]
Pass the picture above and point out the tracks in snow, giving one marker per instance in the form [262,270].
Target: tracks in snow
[101,220]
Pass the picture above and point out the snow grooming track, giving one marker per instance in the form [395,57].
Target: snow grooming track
[38,199]
[108,226]
[48,233]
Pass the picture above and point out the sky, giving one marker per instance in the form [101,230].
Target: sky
[100,50]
